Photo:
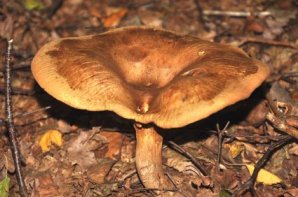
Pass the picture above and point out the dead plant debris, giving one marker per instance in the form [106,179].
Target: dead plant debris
[97,155]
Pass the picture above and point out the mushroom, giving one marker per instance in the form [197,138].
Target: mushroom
[154,77]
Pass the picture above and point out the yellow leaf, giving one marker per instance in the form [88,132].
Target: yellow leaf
[4,186]
[235,149]
[49,138]
[264,176]
[33,4]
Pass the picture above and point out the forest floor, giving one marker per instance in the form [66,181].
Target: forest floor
[97,151]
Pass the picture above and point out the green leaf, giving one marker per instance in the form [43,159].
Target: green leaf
[4,187]
[224,193]
[33,4]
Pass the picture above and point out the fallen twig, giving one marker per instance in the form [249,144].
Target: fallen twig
[220,133]
[283,114]
[55,7]
[33,112]
[290,77]
[178,148]
[290,74]
[3,121]
[10,126]
[282,125]
[201,15]
[235,13]
[267,42]
[20,67]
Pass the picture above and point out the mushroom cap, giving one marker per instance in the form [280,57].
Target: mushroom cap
[148,75]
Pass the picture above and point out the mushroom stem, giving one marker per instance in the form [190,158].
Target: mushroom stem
[149,158]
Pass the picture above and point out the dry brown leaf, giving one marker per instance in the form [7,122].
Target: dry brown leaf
[79,152]
[294,150]
[114,140]
[48,163]
[121,171]
[151,18]
[65,127]
[256,27]
[258,114]
[228,178]
[128,150]
[44,186]
[180,163]
[291,192]
[97,174]
[6,27]
[114,19]
[250,153]
[7,161]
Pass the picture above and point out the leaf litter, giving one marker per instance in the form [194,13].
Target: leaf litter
[94,161]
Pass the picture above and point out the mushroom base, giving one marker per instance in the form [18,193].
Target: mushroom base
[149,159]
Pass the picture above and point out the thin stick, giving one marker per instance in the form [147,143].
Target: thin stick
[10,126]
[33,112]
[235,13]
[201,15]
[3,121]
[19,68]
[282,125]
[56,6]
[290,74]
[179,149]
[267,42]
[220,133]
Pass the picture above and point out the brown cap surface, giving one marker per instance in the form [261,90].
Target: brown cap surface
[147,75]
